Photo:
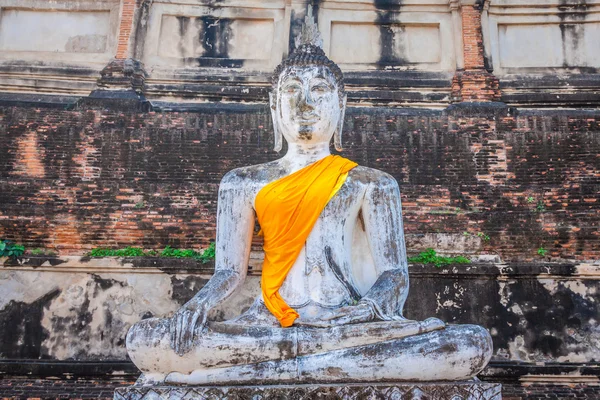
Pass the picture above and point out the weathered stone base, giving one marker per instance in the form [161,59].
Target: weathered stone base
[396,391]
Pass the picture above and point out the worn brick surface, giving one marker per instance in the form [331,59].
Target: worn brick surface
[75,180]
[472,37]
[475,83]
[125,27]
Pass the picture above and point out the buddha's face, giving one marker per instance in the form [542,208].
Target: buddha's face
[308,105]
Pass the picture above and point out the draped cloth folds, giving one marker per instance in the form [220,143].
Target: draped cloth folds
[287,209]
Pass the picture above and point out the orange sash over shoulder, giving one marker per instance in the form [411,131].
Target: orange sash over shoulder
[287,210]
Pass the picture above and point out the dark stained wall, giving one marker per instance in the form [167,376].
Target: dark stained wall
[71,314]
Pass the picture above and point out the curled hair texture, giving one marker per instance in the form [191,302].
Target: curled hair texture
[310,55]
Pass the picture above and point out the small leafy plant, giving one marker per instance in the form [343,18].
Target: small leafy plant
[542,251]
[209,252]
[429,256]
[483,236]
[206,255]
[41,252]
[126,252]
[540,207]
[10,249]
[480,235]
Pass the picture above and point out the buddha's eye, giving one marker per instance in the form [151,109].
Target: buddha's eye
[320,88]
[291,88]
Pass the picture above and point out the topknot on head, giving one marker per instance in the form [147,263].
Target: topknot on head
[310,34]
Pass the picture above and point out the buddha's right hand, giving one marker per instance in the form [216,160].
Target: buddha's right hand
[184,323]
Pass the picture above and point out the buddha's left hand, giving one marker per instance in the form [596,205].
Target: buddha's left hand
[362,312]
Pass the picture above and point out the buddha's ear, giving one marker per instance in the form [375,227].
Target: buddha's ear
[278,139]
[337,136]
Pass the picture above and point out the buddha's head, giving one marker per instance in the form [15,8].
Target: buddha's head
[308,100]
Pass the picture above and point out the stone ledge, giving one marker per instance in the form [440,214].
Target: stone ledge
[505,372]
[400,390]
[567,269]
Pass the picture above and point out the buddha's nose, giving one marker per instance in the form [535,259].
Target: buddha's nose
[306,101]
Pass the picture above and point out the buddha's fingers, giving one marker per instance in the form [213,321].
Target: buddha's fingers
[350,319]
[173,331]
[350,314]
[186,329]
[188,332]
[181,326]
[177,332]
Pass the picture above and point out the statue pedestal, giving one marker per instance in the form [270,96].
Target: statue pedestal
[401,390]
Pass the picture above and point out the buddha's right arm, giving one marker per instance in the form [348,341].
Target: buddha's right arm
[235,224]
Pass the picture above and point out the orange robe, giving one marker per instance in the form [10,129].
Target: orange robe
[287,210]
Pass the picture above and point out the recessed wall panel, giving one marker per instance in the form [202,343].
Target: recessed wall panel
[542,38]
[530,46]
[549,45]
[54,31]
[389,44]
[185,37]
[353,43]
[590,45]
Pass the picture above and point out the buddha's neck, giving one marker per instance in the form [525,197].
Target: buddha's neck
[300,155]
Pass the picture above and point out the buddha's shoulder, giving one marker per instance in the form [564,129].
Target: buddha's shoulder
[253,174]
[371,176]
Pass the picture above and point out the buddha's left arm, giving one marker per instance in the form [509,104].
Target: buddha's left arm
[382,214]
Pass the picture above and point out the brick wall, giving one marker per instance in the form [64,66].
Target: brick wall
[75,180]
[475,83]
[125,26]
[472,37]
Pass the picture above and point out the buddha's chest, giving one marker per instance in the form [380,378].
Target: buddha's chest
[320,274]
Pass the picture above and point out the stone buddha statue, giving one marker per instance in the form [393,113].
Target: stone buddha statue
[335,276]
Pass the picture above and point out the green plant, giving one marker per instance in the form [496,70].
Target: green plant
[10,249]
[483,236]
[177,253]
[140,204]
[530,199]
[41,252]
[542,251]
[206,255]
[429,256]
[126,252]
[540,207]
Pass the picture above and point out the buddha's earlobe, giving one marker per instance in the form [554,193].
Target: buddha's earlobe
[337,136]
[277,136]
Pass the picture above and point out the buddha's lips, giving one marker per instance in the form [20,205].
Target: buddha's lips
[310,119]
